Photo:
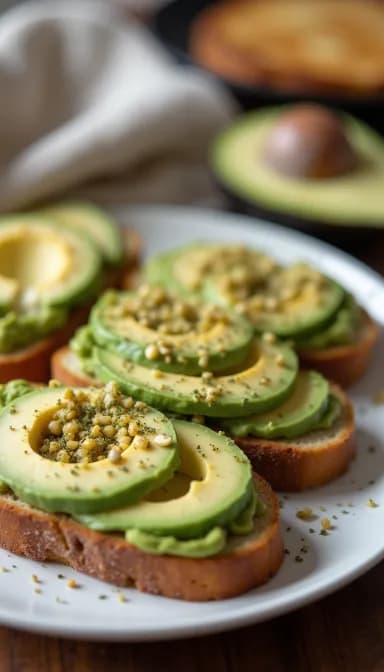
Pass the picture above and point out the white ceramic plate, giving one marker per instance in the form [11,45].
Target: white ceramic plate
[315,565]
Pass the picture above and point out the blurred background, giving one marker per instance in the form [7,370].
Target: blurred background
[269,107]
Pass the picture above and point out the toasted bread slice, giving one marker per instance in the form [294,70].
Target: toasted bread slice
[248,561]
[344,364]
[308,461]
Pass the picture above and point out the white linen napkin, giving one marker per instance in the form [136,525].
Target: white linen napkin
[92,105]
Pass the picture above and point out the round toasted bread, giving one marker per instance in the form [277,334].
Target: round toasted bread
[247,562]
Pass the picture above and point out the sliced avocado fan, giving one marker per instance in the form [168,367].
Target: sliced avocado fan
[212,486]
[296,416]
[290,302]
[263,381]
[159,330]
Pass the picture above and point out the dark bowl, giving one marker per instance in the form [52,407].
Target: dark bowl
[171,24]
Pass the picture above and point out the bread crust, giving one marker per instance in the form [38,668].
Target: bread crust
[344,364]
[47,537]
[294,466]
[60,371]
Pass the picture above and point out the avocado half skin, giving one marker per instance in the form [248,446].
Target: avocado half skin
[332,232]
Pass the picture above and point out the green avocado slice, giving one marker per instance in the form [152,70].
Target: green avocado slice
[290,301]
[262,383]
[76,487]
[9,392]
[204,337]
[313,304]
[341,331]
[353,198]
[296,416]
[185,269]
[41,264]
[87,218]
[213,485]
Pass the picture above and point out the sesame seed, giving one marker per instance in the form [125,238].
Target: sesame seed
[114,454]
[152,352]
[71,583]
[139,442]
[305,514]
[326,524]
[163,440]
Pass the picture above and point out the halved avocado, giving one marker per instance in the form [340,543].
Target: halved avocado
[346,200]
[162,332]
[76,487]
[41,264]
[93,222]
[262,383]
[294,417]
[212,486]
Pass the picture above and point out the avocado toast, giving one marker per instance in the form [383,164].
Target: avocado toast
[113,488]
[330,332]
[53,264]
[297,428]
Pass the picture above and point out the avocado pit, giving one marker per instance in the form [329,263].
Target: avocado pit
[309,142]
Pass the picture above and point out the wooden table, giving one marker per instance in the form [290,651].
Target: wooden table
[342,633]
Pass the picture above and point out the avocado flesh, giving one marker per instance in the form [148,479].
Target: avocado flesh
[78,488]
[213,272]
[163,269]
[19,330]
[213,485]
[211,543]
[9,392]
[341,331]
[353,198]
[59,267]
[251,521]
[261,384]
[184,270]
[297,317]
[294,417]
[13,390]
[92,222]
[226,342]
